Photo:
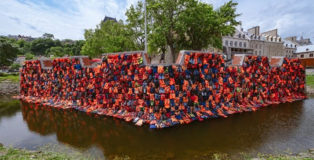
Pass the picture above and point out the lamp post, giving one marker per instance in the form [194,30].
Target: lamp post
[145,26]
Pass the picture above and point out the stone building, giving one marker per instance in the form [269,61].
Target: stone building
[290,48]
[268,43]
[299,42]
[305,51]
[236,44]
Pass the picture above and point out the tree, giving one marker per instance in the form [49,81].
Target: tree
[109,36]
[136,23]
[48,36]
[56,51]
[8,53]
[186,24]
[15,66]
[41,45]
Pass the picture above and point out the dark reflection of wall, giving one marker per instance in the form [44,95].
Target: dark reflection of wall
[242,132]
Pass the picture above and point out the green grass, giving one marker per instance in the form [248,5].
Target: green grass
[13,78]
[20,154]
[310,80]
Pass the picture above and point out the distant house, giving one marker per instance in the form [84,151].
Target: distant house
[305,51]
[109,18]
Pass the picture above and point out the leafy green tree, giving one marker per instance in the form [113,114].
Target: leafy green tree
[41,45]
[136,23]
[48,36]
[8,53]
[109,36]
[56,51]
[185,24]
[15,66]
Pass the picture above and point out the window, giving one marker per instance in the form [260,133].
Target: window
[239,35]
[260,52]
[226,42]
[256,46]
[231,43]
[302,56]
[243,36]
[240,44]
[236,43]
[311,55]
[244,45]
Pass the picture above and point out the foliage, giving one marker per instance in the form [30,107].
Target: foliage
[183,24]
[15,66]
[48,36]
[109,36]
[56,51]
[8,53]
[41,45]
[136,23]
[29,56]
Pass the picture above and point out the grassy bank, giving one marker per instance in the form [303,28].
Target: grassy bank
[18,154]
[310,80]
[9,77]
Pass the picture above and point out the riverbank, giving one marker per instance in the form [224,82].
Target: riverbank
[13,154]
[9,87]
[9,84]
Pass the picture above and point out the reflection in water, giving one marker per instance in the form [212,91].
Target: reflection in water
[8,107]
[248,132]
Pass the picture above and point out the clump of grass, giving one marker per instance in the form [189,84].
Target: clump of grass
[310,80]
[13,78]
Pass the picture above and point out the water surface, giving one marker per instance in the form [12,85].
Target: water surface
[274,129]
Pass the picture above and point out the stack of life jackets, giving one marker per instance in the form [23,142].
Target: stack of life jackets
[162,96]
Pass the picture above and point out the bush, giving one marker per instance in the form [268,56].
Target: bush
[15,66]
[29,56]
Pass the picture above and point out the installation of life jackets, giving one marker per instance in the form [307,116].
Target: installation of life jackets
[162,96]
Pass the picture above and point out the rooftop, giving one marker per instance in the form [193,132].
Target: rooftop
[307,48]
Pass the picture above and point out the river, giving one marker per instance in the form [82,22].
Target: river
[275,129]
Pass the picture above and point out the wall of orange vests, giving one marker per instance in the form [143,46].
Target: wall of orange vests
[125,87]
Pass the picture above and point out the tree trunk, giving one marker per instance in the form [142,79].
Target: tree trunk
[173,54]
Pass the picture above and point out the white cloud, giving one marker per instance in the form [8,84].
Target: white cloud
[69,18]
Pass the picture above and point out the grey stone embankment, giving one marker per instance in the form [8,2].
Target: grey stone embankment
[309,90]
[9,88]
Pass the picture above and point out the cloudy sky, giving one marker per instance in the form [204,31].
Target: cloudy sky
[69,18]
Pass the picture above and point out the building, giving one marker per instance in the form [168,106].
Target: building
[238,43]
[299,42]
[268,43]
[290,48]
[21,37]
[305,52]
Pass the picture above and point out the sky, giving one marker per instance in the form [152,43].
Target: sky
[67,19]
